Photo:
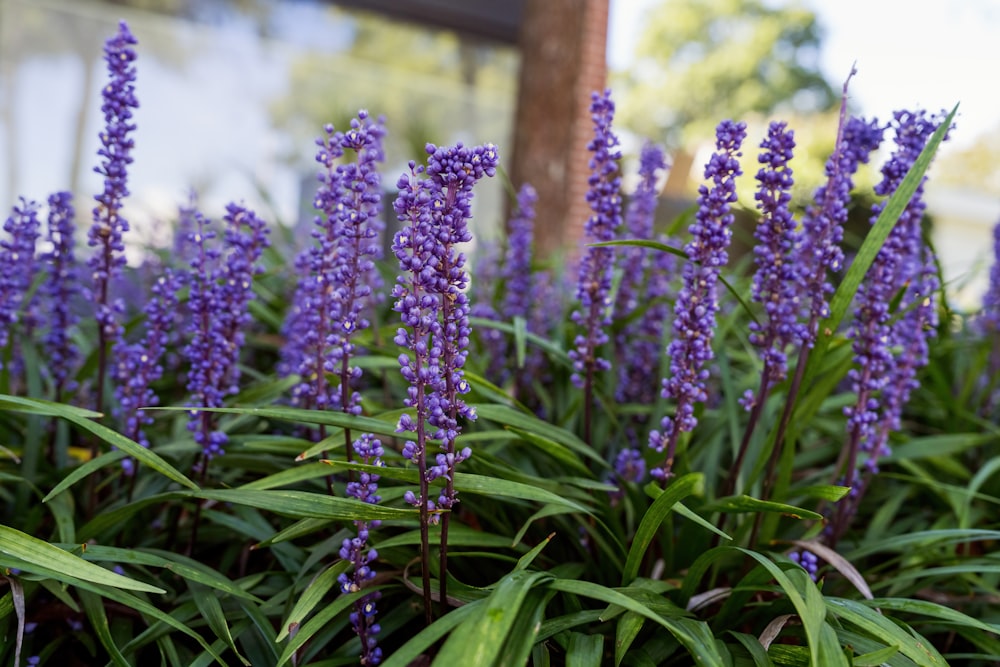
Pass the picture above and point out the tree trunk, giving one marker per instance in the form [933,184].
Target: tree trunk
[563,59]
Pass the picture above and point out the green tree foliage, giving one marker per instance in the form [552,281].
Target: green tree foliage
[699,61]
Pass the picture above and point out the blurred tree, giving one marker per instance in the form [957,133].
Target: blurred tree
[700,61]
[973,167]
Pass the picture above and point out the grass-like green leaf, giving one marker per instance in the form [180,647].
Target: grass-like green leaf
[809,606]
[84,419]
[479,640]
[93,605]
[311,596]
[695,636]
[423,640]
[664,503]
[584,650]
[41,557]
[748,504]
[869,621]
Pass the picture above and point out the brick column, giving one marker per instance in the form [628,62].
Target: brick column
[563,60]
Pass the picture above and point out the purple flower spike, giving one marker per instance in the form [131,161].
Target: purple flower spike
[775,283]
[512,282]
[339,276]
[60,290]
[697,303]
[883,381]
[823,224]
[594,281]
[17,264]
[221,287]
[139,365]
[369,451]
[115,152]
[434,206]
[516,269]
[647,274]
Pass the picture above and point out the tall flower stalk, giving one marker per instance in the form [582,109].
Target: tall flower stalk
[593,289]
[434,205]
[109,225]
[987,324]
[221,282]
[17,266]
[642,289]
[775,283]
[60,290]
[337,272]
[697,303]
[819,253]
[889,352]
[138,365]
[357,552]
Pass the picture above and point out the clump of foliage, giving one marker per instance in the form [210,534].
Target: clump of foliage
[671,456]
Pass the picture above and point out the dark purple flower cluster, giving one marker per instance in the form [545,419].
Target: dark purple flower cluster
[823,224]
[988,321]
[139,365]
[594,282]
[221,287]
[639,340]
[17,265]
[355,550]
[434,205]
[509,285]
[116,145]
[516,268]
[775,284]
[697,303]
[61,288]
[338,272]
[881,379]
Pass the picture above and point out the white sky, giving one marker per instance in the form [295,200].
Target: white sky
[909,53]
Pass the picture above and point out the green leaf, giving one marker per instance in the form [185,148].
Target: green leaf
[312,596]
[678,489]
[328,417]
[627,629]
[830,492]
[211,610]
[182,566]
[83,419]
[304,504]
[584,650]
[479,640]
[913,646]
[41,557]
[94,607]
[469,483]
[809,608]
[690,515]
[753,647]
[695,636]
[532,424]
[747,504]
[121,597]
[933,610]
[423,640]
[875,658]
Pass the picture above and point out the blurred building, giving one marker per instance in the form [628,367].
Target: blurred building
[232,92]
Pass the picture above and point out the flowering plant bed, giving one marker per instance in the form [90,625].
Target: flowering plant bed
[660,455]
